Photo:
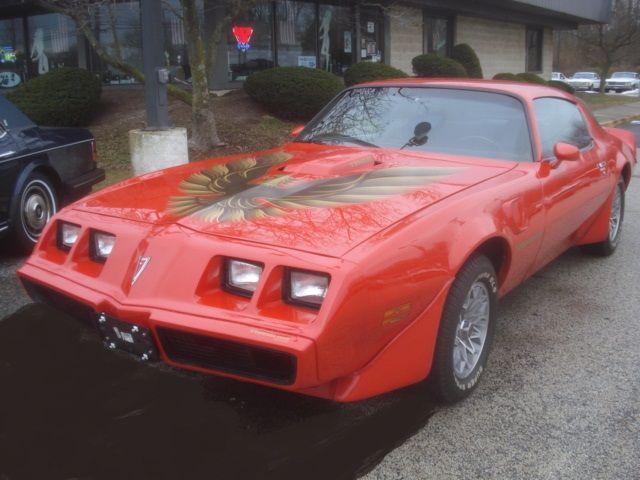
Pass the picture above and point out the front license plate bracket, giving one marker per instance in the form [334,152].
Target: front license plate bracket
[129,337]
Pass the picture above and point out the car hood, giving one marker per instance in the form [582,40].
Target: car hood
[316,198]
[621,79]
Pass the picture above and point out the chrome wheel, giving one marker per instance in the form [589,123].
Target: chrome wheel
[472,329]
[616,215]
[38,205]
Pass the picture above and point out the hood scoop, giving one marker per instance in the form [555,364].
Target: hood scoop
[334,165]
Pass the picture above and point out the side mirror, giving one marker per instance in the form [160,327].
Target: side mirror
[296,131]
[566,152]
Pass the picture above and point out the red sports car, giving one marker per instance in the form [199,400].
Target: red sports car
[367,254]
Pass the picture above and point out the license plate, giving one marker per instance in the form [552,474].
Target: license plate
[131,338]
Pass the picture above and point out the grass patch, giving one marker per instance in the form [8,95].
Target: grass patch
[596,101]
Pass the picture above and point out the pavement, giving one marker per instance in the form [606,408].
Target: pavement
[618,114]
[560,399]
[561,395]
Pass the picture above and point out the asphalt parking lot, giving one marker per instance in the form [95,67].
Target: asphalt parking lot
[561,398]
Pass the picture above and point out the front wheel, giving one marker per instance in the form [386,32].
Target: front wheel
[466,331]
[609,245]
[36,205]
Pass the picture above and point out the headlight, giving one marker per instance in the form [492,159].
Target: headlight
[242,277]
[101,245]
[306,288]
[67,235]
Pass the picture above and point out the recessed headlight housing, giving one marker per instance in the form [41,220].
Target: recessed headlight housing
[102,244]
[67,235]
[242,276]
[306,288]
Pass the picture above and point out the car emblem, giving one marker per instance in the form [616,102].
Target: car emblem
[142,264]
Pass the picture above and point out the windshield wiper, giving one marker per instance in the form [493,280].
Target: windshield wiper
[340,138]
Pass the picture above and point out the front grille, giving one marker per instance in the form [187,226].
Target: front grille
[41,294]
[227,356]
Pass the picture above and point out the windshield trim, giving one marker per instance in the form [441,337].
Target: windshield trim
[535,149]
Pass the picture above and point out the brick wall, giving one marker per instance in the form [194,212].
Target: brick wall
[405,25]
[500,46]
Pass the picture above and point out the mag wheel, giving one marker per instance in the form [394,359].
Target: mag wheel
[466,331]
[35,207]
[608,246]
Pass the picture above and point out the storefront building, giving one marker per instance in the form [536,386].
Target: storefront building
[508,35]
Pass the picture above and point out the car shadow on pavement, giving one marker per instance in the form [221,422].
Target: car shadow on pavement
[71,409]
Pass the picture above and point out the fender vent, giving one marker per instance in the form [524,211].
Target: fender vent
[227,356]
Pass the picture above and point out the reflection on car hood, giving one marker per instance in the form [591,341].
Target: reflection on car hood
[318,198]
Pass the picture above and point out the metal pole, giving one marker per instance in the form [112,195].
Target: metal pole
[155,88]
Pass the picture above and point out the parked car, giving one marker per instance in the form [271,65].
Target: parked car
[585,81]
[368,253]
[558,77]
[622,82]
[40,169]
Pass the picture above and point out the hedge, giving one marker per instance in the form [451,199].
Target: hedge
[65,97]
[531,78]
[295,93]
[432,65]
[507,76]
[369,71]
[565,87]
[466,56]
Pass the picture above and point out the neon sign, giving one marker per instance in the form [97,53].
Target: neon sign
[243,37]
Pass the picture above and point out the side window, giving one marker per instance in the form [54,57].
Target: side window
[560,121]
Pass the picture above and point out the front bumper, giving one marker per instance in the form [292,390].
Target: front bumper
[207,345]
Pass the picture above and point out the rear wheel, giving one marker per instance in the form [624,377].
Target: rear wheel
[36,205]
[608,246]
[466,331]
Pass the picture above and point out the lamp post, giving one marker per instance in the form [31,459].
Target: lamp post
[159,145]
[156,77]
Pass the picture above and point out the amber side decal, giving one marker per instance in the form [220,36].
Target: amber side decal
[242,190]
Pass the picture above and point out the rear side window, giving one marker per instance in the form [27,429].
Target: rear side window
[11,117]
[560,121]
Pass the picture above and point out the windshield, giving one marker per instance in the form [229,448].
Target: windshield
[462,122]
[584,75]
[623,75]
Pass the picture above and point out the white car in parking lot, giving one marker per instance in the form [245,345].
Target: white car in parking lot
[585,81]
[622,81]
[558,77]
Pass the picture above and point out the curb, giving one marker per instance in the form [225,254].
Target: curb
[619,121]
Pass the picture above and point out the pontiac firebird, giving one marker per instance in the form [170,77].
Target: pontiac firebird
[367,254]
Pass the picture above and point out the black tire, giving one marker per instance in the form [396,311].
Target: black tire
[38,195]
[606,248]
[445,383]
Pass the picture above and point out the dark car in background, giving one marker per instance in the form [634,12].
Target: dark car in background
[41,168]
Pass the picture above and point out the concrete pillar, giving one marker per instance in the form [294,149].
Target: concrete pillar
[153,150]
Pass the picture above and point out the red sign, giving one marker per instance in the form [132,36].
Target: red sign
[243,37]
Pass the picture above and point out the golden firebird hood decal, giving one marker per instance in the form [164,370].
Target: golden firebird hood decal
[240,190]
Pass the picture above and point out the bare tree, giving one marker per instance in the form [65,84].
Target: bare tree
[81,11]
[615,43]
[204,134]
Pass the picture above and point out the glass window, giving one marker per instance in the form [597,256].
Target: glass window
[118,29]
[11,116]
[534,49]
[560,121]
[461,122]
[437,35]
[336,39]
[372,35]
[12,53]
[250,39]
[53,43]
[296,34]
[175,40]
